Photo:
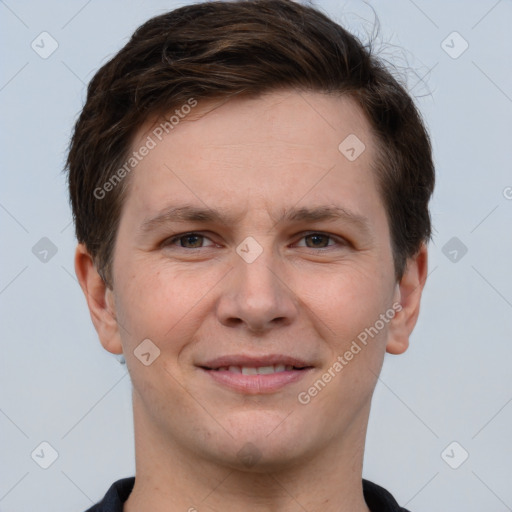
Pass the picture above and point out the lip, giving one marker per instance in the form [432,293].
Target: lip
[256,384]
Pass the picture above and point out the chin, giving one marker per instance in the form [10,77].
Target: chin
[266,440]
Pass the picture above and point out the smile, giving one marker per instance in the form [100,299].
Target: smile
[260,370]
[256,375]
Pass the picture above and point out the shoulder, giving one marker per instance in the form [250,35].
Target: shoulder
[379,499]
[116,495]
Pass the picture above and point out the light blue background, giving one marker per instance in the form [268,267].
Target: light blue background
[453,384]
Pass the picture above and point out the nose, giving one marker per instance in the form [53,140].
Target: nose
[256,296]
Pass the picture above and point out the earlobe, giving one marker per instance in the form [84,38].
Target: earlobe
[409,291]
[100,300]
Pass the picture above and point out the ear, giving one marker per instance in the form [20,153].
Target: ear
[408,295]
[100,300]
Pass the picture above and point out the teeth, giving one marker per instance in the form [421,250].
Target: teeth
[260,370]
[265,369]
[249,371]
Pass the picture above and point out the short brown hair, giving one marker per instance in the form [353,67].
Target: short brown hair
[224,48]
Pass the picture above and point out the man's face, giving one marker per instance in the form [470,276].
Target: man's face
[261,284]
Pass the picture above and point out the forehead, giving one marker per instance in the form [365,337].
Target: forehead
[265,153]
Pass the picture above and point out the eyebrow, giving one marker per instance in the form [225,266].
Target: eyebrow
[189,213]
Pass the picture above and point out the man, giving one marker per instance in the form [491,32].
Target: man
[250,190]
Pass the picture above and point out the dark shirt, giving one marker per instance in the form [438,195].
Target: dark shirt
[376,497]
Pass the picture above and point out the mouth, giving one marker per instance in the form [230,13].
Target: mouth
[257,370]
[256,375]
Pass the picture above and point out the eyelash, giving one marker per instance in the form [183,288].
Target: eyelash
[171,241]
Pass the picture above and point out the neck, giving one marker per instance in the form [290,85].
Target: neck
[170,478]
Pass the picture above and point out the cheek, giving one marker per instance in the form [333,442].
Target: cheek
[159,302]
[345,301]
[156,306]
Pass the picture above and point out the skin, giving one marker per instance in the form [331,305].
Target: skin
[302,296]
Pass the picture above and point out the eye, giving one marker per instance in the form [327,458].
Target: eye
[187,241]
[195,240]
[319,240]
